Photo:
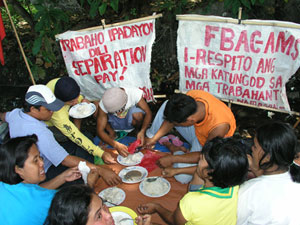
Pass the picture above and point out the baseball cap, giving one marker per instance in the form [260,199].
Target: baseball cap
[114,99]
[41,95]
[66,89]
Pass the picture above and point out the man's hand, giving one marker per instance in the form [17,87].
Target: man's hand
[148,208]
[85,100]
[109,176]
[149,143]
[141,136]
[166,161]
[122,149]
[143,220]
[71,174]
[169,172]
[107,158]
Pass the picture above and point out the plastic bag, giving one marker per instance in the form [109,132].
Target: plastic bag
[132,147]
[149,160]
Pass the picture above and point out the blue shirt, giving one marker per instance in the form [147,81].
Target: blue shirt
[25,204]
[22,124]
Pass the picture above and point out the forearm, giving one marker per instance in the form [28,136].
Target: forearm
[192,157]
[2,116]
[54,183]
[146,122]
[73,133]
[185,170]
[77,123]
[106,138]
[72,161]
[165,214]
[164,129]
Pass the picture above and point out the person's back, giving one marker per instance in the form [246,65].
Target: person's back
[270,199]
[217,206]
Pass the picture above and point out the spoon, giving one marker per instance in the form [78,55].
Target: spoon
[105,201]
[152,179]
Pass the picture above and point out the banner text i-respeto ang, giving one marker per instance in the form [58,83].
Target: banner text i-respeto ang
[117,56]
[243,63]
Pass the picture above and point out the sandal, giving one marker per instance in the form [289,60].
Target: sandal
[163,139]
[175,140]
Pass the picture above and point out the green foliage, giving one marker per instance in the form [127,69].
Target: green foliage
[100,6]
[247,5]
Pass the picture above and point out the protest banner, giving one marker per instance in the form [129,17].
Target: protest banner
[110,56]
[246,63]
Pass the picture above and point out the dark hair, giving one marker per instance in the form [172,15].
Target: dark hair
[70,205]
[295,168]
[278,140]
[179,108]
[227,161]
[27,107]
[13,153]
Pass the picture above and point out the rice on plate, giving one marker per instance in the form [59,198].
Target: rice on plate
[114,195]
[131,159]
[156,188]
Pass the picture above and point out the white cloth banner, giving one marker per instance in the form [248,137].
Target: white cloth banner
[111,57]
[243,63]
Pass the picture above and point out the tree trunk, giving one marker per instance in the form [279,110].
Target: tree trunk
[23,13]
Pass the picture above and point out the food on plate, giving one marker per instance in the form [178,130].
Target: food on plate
[156,187]
[133,158]
[113,195]
[82,110]
[133,175]
[118,218]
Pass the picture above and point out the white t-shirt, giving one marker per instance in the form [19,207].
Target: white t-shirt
[134,95]
[269,199]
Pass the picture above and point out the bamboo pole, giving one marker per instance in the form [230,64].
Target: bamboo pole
[103,26]
[193,17]
[19,42]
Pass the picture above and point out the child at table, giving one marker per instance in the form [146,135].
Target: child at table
[223,166]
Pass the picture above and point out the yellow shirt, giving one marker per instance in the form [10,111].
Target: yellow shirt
[210,206]
[60,119]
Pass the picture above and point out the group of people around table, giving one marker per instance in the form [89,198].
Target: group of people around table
[40,182]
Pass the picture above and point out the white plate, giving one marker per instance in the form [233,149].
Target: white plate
[82,110]
[122,160]
[109,194]
[155,195]
[124,171]
[117,216]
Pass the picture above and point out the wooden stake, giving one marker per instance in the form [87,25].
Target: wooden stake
[19,42]
[297,123]
[240,15]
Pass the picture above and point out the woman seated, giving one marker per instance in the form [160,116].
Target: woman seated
[80,205]
[272,197]
[23,200]
[222,167]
